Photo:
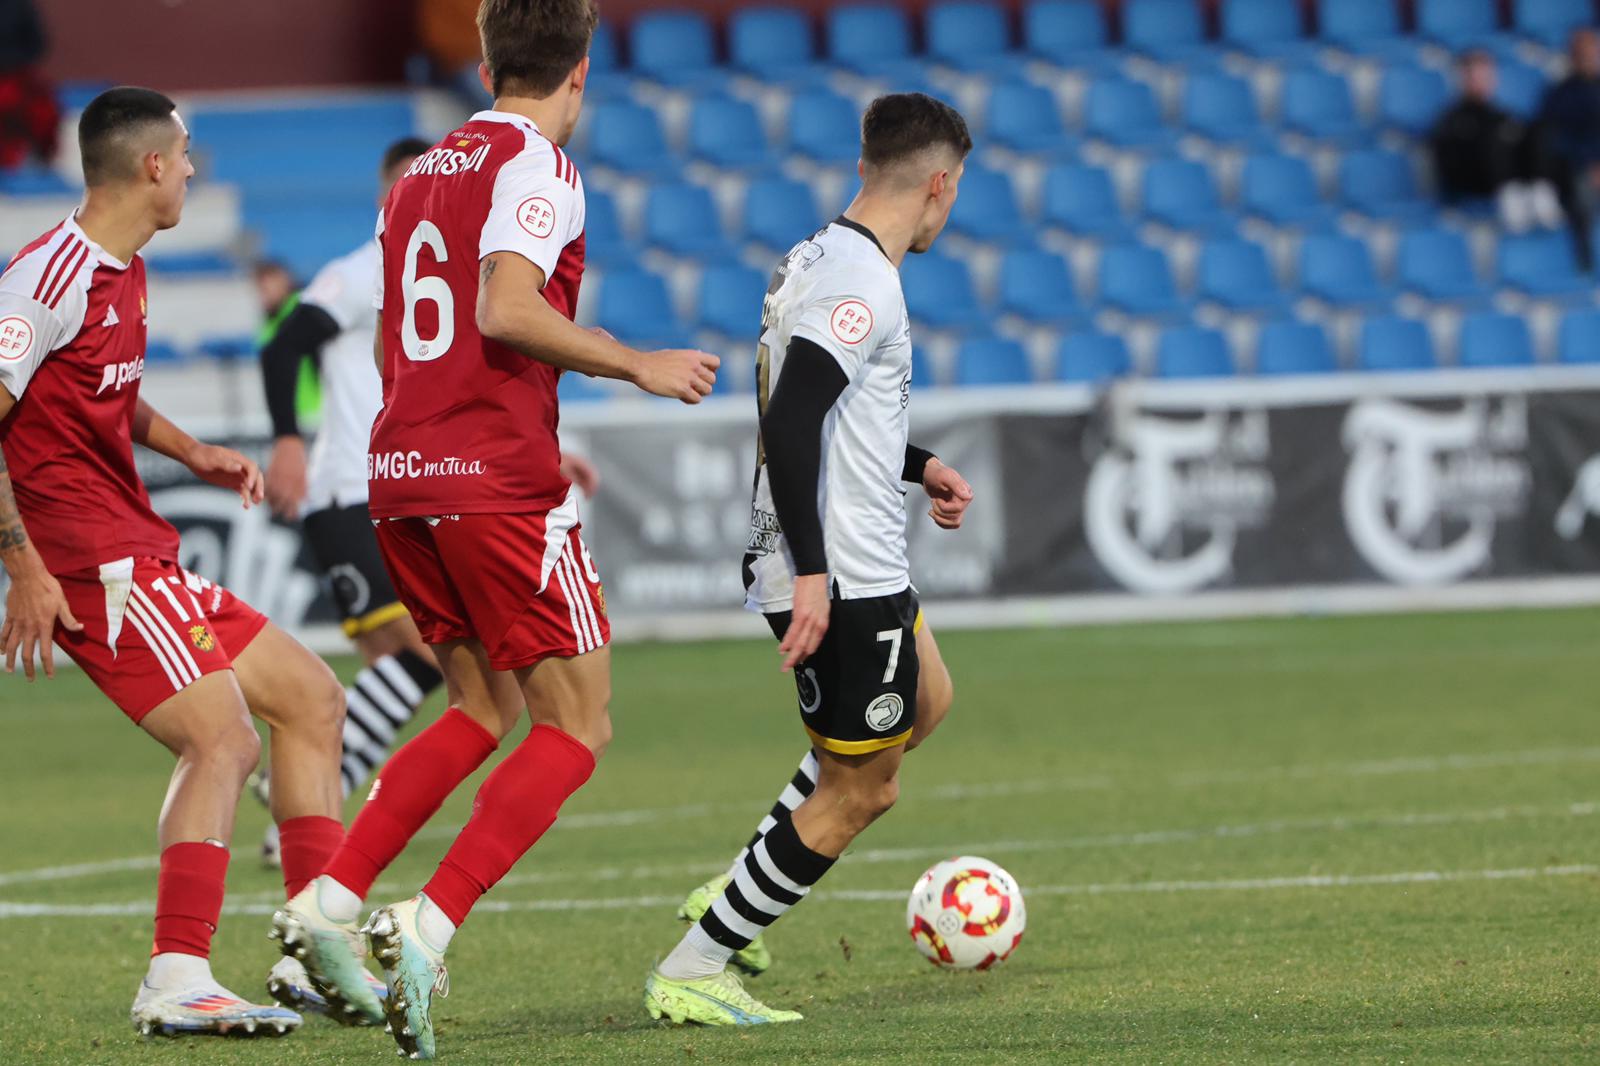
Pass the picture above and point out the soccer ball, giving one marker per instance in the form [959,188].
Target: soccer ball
[966,913]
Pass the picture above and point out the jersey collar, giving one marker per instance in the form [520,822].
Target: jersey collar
[508,118]
[100,254]
[849,223]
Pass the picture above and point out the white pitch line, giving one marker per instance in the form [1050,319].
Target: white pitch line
[1423,764]
[1146,838]
[1249,884]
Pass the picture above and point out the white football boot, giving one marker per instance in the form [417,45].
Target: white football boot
[206,1009]
[290,985]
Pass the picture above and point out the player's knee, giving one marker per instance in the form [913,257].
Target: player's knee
[234,748]
[320,702]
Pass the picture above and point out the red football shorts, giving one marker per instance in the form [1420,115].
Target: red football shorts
[151,629]
[523,585]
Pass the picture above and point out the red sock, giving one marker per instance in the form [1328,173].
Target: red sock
[306,844]
[514,807]
[189,897]
[406,793]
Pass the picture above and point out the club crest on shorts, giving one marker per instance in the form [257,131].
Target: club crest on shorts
[805,680]
[885,711]
[600,598]
[201,638]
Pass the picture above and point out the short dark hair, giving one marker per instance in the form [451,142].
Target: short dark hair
[902,124]
[404,148]
[110,120]
[531,46]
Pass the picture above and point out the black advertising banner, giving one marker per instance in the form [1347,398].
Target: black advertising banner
[1149,489]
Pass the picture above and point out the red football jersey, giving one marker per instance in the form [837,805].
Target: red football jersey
[468,425]
[72,335]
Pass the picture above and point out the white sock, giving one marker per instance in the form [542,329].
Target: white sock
[173,969]
[337,901]
[435,929]
[696,956]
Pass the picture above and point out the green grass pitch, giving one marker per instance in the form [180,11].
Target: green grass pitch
[1339,840]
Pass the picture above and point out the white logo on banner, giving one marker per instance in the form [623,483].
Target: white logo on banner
[1581,502]
[1163,507]
[1424,488]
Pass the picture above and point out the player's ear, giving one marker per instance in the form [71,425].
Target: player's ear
[580,75]
[484,79]
[936,187]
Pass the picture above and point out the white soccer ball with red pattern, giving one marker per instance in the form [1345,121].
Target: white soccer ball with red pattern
[966,913]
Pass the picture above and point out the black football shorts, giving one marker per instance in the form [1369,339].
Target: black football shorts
[858,690]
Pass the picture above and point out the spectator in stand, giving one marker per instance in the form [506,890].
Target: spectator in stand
[449,33]
[1569,126]
[29,114]
[1481,152]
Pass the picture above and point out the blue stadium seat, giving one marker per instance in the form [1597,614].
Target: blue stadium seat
[607,80]
[627,136]
[1317,103]
[1288,346]
[603,239]
[727,132]
[1366,28]
[825,127]
[158,351]
[1081,200]
[674,48]
[1125,113]
[1437,264]
[225,349]
[1489,338]
[1521,87]
[1411,98]
[1136,279]
[1023,116]
[774,44]
[1236,274]
[1193,352]
[1551,22]
[1282,190]
[194,264]
[779,212]
[1181,193]
[730,299]
[34,179]
[682,219]
[307,233]
[986,209]
[992,361]
[939,292]
[1070,33]
[1392,343]
[635,307]
[1458,24]
[1339,270]
[1166,30]
[871,39]
[1038,285]
[1222,107]
[1543,265]
[922,376]
[1579,337]
[1380,184]
[1092,357]
[969,35]
[1267,29]
[574,387]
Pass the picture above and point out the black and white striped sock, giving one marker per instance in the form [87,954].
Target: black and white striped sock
[378,703]
[794,793]
[777,872]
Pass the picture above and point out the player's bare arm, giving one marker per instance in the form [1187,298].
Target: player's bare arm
[34,603]
[539,331]
[211,463]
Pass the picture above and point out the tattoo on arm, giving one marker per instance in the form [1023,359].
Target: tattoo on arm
[487,271]
[12,533]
